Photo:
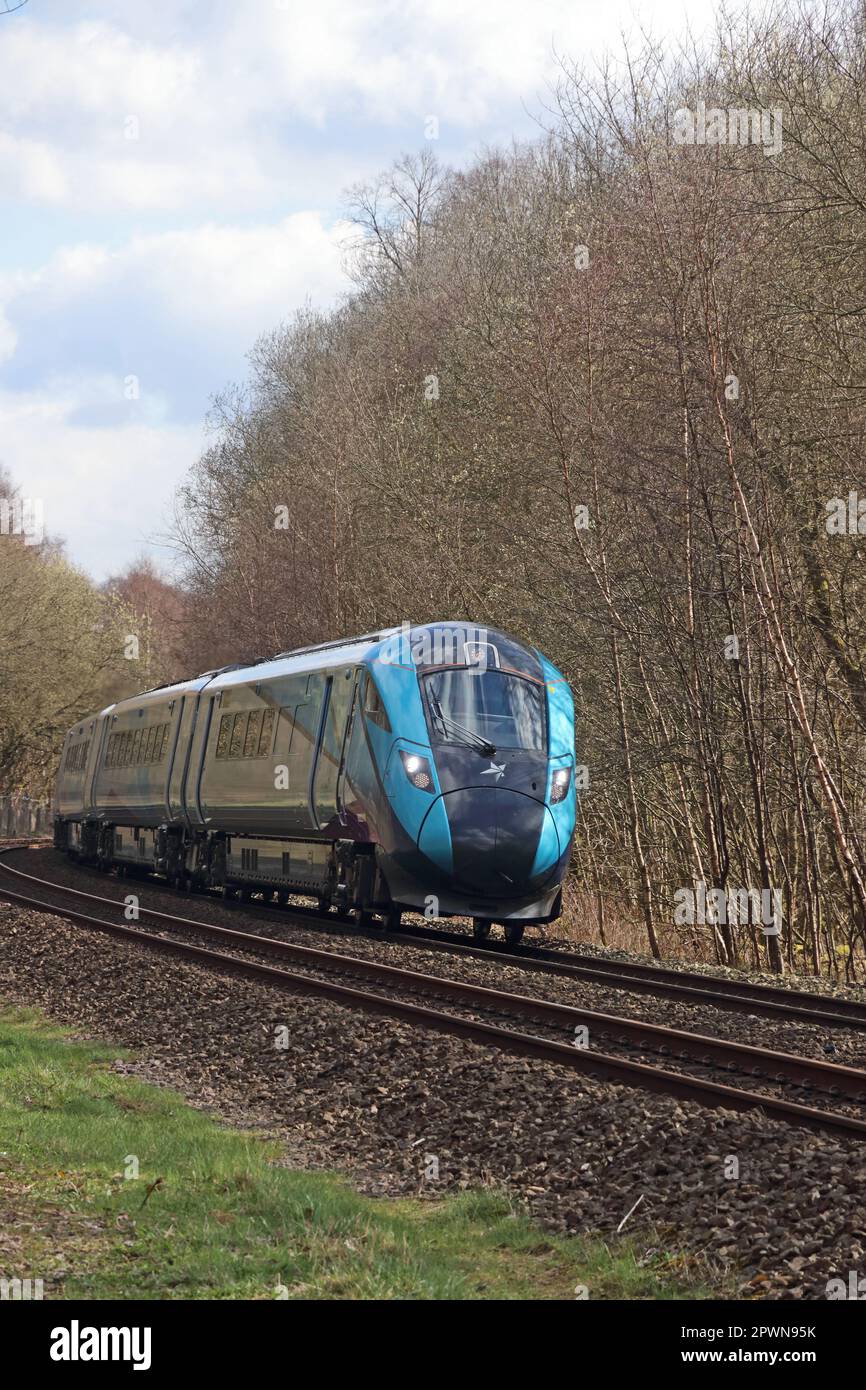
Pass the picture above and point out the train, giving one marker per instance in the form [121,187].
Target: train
[426,769]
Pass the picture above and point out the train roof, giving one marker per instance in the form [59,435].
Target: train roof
[346,652]
[387,644]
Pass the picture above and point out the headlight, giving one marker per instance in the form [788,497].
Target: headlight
[560,785]
[418,771]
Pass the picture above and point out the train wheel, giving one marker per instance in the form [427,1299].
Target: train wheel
[481,928]
[227,893]
[513,933]
[245,894]
[392,919]
[362,917]
[323,905]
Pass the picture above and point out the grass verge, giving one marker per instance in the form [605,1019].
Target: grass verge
[110,1188]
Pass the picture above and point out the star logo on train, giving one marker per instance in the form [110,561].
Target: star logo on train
[496,770]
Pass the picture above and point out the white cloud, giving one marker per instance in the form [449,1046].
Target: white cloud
[105,491]
[47,70]
[240,280]
[176,311]
[220,109]
[31,170]
[8,338]
[207,293]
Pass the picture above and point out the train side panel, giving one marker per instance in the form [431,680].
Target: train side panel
[78,763]
[254,771]
[136,764]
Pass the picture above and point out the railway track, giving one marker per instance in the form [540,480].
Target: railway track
[738,996]
[691,987]
[827,1079]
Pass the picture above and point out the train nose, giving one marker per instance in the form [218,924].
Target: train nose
[496,834]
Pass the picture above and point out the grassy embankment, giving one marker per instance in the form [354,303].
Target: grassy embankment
[210,1216]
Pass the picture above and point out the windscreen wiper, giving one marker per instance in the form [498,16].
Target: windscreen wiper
[469,736]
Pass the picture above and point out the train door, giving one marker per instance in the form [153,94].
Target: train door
[342,775]
[198,753]
[180,756]
[329,756]
[99,737]
[187,782]
[302,701]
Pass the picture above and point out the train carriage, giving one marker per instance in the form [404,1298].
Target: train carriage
[427,769]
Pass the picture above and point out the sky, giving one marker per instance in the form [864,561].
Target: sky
[171,186]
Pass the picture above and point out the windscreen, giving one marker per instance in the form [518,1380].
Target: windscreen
[506,710]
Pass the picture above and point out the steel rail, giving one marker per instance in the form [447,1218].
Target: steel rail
[599,1065]
[733,995]
[760,1061]
[689,986]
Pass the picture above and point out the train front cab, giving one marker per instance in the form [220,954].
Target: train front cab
[475,832]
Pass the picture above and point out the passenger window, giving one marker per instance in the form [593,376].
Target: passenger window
[237,739]
[374,707]
[225,733]
[77,761]
[136,745]
[251,738]
[148,747]
[267,733]
[166,730]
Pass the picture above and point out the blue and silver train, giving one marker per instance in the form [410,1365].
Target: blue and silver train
[426,769]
